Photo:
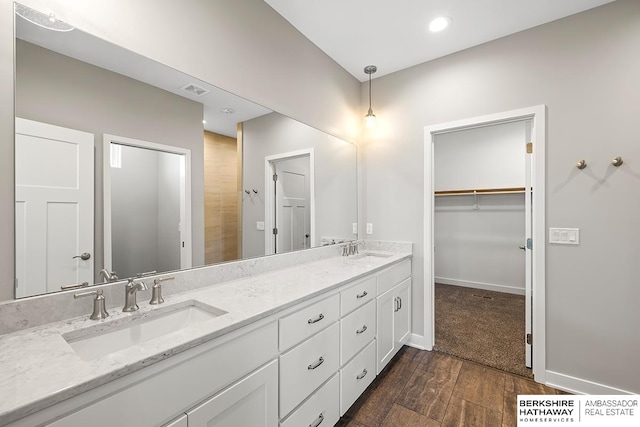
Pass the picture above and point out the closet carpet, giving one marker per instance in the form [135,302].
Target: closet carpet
[482,326]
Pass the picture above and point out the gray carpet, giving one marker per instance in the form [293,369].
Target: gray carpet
[482,326]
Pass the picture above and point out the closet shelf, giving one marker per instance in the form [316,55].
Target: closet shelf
[479,191]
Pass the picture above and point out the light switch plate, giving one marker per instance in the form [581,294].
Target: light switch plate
[564,236]
[369,228]
[260,225]
[354,228]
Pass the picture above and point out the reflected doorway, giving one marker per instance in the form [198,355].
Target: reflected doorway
[289,202]
[147,207]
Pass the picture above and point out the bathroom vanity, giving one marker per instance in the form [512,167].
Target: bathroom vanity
[289,347]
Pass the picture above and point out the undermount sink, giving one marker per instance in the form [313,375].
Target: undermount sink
[100,340]
[371,254]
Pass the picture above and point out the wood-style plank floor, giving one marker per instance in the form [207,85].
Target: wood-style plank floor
[430,389]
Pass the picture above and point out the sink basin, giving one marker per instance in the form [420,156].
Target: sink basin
[100,340]
[371,254]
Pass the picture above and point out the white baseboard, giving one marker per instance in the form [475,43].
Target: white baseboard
[480,285]
[418,341]
[579,386]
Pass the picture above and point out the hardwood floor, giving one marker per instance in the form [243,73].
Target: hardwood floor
[430,389]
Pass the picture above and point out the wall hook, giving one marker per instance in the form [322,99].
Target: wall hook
[581,164]
[247,191]
[255,191]
[617,161]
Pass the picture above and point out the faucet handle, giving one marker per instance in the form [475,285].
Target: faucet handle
[99,311]
[156,290]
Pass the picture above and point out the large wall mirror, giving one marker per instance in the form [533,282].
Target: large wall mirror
[125,165]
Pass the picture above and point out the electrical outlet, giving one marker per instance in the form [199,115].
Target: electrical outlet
[260,225]
[369,228]
[354,228]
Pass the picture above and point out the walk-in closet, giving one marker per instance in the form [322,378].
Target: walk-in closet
[481,219]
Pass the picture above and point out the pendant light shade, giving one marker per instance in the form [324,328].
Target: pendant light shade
[370,118]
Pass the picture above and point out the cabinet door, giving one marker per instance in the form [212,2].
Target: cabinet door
[402,321]
[385,327]
[252,401]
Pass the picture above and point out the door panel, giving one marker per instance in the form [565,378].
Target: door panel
[54,207]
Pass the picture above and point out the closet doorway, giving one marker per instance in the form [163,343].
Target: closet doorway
[480,217]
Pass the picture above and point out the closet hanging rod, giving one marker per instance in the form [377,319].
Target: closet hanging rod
[511,190]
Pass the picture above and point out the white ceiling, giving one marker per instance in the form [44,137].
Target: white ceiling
[394,35]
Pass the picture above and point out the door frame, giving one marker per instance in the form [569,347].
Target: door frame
[537,115]
[186,253]
[269,202]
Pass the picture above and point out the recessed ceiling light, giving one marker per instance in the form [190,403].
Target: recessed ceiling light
[439,24]
[227,110]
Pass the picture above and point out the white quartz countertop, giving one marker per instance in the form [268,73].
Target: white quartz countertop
[38,368]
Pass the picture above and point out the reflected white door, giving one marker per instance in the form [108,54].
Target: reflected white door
[292,210]
[54,207]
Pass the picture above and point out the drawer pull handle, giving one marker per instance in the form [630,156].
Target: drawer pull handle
[318,421]
[317,319]
[315,364]
[360,331]
[362,295]
[362,375]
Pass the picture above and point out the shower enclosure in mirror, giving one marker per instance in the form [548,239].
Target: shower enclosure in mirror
[77,83]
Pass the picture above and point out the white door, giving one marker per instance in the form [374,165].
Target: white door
[528,251]
[292,204]
[54,207]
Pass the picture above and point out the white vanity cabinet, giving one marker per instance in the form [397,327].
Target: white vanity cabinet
[156,395]
[393,312]
[251,401]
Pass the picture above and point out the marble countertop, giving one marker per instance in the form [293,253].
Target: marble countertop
[38,368]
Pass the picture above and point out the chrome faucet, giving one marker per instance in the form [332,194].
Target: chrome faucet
[130,291]
[108,277]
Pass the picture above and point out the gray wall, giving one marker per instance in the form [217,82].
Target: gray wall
[585,68]
[335,176]
[242,46]
[55,89]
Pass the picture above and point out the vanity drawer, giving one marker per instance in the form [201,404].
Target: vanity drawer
[304,368]
[300,325]
[356,376]
[357,295]
[356,331]
[390,277]
[322,408]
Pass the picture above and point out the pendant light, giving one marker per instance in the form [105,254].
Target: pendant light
[370,118]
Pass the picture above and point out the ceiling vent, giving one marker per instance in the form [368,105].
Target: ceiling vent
[194,89]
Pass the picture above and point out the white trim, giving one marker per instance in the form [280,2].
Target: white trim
[538,137]
[480,285]
[417,341]
[580,386]
[268,197]
[186,255]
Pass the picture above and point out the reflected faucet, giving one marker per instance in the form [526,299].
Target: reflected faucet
[108,277]
[131,290]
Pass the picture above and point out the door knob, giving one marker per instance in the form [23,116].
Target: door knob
[84,256]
